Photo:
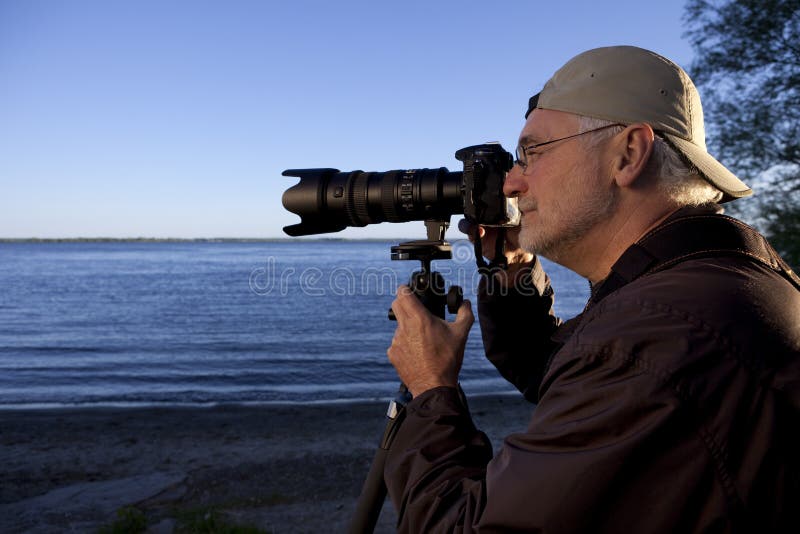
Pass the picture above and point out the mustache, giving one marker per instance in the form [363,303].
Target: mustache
[527,205]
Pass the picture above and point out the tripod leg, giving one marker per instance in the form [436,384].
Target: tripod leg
[428,286]
[373,493]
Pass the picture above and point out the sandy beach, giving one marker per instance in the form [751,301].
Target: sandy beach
[295,468]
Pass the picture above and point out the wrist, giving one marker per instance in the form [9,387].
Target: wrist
[426,390]
[419,388]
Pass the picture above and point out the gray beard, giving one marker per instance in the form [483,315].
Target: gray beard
[555,242]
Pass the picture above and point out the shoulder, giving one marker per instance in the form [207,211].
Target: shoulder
[733,299]
[702,312]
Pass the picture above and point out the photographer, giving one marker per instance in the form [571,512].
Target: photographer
[671,404]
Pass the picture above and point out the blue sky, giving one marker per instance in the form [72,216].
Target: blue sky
[176,118]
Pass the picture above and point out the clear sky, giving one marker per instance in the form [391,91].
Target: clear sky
[175,118]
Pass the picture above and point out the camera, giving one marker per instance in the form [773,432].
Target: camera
[328,200]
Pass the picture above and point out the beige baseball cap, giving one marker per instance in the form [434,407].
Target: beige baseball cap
[627,84]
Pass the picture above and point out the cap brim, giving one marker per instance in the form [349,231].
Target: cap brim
[711,169]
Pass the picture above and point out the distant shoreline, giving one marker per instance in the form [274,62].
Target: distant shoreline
[194,239]
[64,407]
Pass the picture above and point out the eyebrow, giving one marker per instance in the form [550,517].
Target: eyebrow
[530,139]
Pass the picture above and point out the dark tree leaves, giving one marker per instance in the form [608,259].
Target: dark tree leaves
[747,69]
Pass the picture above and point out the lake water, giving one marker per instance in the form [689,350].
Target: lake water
[142,323]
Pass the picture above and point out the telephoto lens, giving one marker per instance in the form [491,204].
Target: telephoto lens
[328,200]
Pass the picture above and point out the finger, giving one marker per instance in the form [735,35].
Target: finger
[465,227]
[392,351]
[469,228]
[407,305]
[403,289]
[402,292]
[395,348]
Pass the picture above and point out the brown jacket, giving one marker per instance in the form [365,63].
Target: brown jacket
[672,404]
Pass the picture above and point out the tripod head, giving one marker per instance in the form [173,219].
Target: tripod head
[428,285]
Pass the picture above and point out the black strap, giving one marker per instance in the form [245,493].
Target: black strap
[499,261]
[691,237]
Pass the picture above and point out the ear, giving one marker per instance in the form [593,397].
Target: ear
[632,151]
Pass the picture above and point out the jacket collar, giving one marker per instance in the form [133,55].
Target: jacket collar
[639,259]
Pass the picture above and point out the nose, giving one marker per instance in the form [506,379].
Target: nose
[514,183]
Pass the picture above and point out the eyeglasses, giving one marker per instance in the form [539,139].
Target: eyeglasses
[522,151]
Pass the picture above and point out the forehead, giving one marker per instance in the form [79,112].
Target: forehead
[546,124]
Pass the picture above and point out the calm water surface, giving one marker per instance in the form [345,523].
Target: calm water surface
[196,322]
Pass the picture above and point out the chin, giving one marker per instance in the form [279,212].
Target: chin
[528,240]
[537,240]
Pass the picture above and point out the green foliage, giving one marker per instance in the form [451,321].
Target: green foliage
[129,520]
[209,521]
[747,69]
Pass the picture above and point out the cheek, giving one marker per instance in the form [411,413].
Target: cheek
[543,179]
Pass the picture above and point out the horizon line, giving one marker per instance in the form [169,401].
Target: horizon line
[101,239]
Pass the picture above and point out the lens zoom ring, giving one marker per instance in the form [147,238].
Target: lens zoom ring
[357,200]
[388,203]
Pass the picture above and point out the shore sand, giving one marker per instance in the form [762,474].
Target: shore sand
[292,468]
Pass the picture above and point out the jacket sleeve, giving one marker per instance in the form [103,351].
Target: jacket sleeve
[517,324]
[435,471]
[599,438]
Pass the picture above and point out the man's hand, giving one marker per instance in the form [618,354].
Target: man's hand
[426,351]
[516,256]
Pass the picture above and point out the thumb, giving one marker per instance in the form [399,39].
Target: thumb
[465,317]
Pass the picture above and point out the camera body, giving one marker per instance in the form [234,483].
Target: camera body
[328,200]
[485,168]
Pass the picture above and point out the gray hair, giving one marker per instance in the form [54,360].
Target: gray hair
[676,177]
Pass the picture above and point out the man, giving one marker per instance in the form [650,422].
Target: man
[671,404]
